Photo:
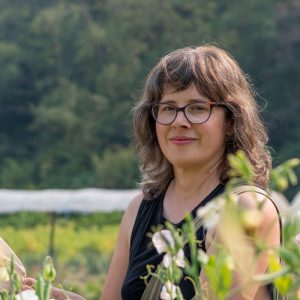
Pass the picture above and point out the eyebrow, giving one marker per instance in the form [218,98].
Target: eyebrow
[170,101]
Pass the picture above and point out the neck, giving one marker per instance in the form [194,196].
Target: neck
[192,182]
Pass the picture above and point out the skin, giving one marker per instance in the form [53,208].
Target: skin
[119,263]
[57,294]
[195,163]
[195,151]
[268,231]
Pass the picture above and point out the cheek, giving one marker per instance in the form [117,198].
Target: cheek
[216,132]
[221,134]
[161,130]
[222,138]
[162,138]
[160,133]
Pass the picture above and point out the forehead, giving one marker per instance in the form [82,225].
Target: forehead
[170,93]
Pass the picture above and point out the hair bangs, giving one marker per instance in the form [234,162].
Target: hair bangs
[179,70]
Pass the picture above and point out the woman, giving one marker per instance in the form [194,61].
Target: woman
[197,107]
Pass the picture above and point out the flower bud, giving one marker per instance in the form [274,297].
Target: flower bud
[282,183]
[49,272]
[293,162]
[251,219]
[202,257]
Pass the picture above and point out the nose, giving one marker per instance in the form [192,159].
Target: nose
[181,120]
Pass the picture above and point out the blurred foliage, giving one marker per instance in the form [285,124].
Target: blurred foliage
[116,168]
[71,71]
[83,247]
[30,220]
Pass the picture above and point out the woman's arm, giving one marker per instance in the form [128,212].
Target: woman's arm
[119,263]
[242,249]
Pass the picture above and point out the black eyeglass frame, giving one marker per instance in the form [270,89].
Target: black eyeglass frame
[210,103]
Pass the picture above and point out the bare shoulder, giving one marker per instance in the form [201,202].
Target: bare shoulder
[134,205]
[132,210]
[120,260]
[269,227]
[253,200]
[130,216]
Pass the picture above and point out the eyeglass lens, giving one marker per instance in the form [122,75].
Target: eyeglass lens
[194,112]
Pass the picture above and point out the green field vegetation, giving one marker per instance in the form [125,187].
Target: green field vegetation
[83,246]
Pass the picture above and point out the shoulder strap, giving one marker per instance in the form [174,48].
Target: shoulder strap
[251,188]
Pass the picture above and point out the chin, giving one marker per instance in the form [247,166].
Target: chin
[184,163]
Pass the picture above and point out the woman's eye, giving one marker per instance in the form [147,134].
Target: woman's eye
[168,108]
[197,107]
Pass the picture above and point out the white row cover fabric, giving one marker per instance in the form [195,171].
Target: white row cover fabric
[63,201]
[91,200]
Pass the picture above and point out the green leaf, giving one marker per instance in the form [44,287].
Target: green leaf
[210,272]
[292,177]
[47,289]
[240,165]
[39,287]
[289,257]
[283,283]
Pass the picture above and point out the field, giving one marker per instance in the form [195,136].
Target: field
[83,246]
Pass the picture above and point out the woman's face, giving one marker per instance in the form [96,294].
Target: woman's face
[188,145]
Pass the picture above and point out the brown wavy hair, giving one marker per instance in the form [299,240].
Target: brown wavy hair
[218,76]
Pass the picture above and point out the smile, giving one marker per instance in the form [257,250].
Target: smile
[182,140]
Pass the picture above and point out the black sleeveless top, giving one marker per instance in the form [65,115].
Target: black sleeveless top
[143,253]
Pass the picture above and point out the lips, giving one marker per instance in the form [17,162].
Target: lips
[180,140]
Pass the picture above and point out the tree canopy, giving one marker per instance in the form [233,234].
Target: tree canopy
[71,71]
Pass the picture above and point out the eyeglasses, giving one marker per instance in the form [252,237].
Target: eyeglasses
[196,113]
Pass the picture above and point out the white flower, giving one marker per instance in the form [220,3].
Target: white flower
[297,238]
[4,276]
[202,257]
[167,259]
[168,291]
[178,259]
[162,240]
[210,213]
[27,295]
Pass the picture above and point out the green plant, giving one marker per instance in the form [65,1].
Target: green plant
[237,247]
[42,287]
